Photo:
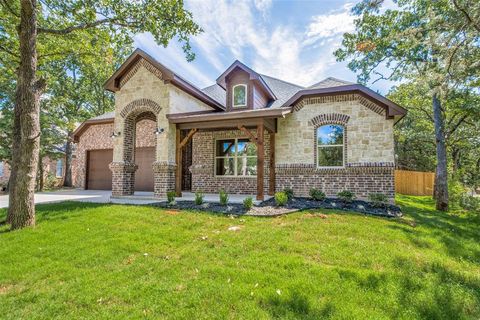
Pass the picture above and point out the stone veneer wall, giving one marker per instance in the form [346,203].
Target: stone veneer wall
[203,174]
[368,153]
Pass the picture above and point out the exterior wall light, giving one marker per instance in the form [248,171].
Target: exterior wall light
[115,134]
[159,131]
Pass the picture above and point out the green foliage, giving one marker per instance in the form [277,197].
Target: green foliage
[248,203]
[289,193]
[317,194]
[281,198]
[470,203]
[171,196]
[456,191]
[199,198]
[378,200]
[346,196]
[51,182]
[223,197]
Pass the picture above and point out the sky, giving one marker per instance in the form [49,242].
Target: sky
[290,40]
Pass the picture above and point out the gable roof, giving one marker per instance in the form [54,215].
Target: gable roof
[112,84]
[221,80]
[330,82]
[392,109]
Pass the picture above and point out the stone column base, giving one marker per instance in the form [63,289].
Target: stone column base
[123,178]
[164,178]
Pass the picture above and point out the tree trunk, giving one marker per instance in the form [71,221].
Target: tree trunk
[26,124]
[441,182]
[67,181]
[455,161]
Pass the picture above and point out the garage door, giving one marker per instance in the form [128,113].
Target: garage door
[99,176]
[144,158]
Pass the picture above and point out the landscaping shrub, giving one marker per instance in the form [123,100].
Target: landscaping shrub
[456,191]
[223,198]
[288,192]
[171,196]
[199,198]
[281,198]
[317,194]
[378,200]
[248,203]
[470,203]
[346,196]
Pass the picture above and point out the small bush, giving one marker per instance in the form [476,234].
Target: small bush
[456,192]
[317,195]
[199,198]
[223,198]
[281,198]
[470,203]
[171,196]
[378,200]
[248,203]
[346,196]
[288,192]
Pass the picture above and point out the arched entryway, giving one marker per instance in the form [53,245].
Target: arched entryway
[133,168]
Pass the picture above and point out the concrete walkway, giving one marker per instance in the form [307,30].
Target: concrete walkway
[104,196]
[96,196]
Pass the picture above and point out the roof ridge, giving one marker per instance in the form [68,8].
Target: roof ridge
[291,83]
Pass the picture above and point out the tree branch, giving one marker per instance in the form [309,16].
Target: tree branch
[77,27]
[465,13]
[7,6]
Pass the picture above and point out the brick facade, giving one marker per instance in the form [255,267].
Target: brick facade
[203,167]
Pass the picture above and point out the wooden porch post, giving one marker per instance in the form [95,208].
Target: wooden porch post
[178,159]
[271,181]
[260,161]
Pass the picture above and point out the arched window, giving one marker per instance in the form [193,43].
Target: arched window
[330,145]
[239,96]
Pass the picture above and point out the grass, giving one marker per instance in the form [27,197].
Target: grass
[113,261]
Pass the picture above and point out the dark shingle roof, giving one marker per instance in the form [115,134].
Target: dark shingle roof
[330,82]
[217,93]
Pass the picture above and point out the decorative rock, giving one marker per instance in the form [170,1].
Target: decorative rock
[234,228]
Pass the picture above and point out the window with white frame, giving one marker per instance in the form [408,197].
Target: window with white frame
[239,96]
[1,168]
[59,171]
[235,157]
[330,145]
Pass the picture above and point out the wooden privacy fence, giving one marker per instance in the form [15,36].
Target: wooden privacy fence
[414,183]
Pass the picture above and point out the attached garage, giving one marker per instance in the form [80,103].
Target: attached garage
[99,176]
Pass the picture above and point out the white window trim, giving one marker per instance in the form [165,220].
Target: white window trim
[2,168]
[235,158]
[330,145]
[56,169]
[233,96]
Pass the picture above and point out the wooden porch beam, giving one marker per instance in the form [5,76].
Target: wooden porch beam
[188,137]
[260,160]
[248,133]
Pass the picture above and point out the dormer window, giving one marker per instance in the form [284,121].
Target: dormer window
[239,96]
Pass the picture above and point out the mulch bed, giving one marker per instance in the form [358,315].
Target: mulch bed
[268,208]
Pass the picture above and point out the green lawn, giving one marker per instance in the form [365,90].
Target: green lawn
[115,261]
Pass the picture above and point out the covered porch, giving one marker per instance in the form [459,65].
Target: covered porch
[256,126]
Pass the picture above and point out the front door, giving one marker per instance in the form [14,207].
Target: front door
[144,158]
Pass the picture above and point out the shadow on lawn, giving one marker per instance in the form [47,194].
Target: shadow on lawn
[296,305]
[459,234]
[54,211]
[429,291]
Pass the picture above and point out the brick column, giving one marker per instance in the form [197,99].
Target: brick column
[123,178]
[164,178]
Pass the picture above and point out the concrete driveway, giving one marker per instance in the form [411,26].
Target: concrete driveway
[97,196]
